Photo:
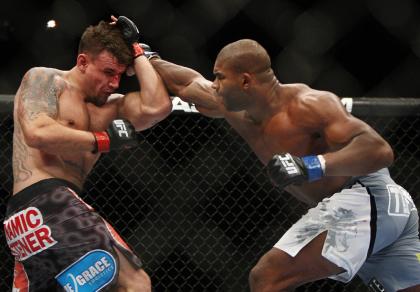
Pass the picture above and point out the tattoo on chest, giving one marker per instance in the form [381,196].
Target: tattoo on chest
[20,156]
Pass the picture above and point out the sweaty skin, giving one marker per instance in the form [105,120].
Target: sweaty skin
[274,118]
[55,115]
[56,111]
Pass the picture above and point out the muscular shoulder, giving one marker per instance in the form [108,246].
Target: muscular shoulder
[38,92]
[43,72]
[315,107]
[41,78]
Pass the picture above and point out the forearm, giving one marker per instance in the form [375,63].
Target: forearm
[175,77]
[54,138]
[366,153]
[150,105]
[191,87]
[153,93]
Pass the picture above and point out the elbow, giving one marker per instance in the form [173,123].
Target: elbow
[33,138]
[163,107]
[148,116]
[166,108]
[157,114]
[384,154]
[160,111]
[37,134]
[387,154]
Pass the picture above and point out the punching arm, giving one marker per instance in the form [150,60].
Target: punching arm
[190,86]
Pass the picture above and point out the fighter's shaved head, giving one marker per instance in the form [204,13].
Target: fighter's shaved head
[245,56]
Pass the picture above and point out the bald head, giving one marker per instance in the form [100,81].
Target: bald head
[245,56]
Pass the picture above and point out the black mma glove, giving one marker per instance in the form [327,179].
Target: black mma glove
[119,135]
[148,52]
[130,34]
[285,169]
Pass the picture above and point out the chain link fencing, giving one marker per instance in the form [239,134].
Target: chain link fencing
[195,203]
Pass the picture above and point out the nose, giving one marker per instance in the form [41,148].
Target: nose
[215,84]
[115,82]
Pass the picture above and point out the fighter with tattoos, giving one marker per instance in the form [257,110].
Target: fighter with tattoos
[63,121]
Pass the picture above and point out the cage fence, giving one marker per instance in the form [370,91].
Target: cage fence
[195,203]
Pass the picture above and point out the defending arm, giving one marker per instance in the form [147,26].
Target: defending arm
[37,111]
[152,104]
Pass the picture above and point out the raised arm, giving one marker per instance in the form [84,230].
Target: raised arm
[151,104]
[190,86]
[37,112]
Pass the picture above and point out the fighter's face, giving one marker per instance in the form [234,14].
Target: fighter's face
[228,85]
[104,74]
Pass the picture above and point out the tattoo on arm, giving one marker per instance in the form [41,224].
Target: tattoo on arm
[39,91]
[21,171]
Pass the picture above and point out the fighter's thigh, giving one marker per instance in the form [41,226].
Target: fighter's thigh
[411,289]
[131,278]
[308,265]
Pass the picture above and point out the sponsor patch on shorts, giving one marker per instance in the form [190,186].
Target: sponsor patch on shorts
[91,272]
[26,233]
[418,256]
[375,286]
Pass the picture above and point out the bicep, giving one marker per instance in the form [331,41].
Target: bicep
[324,112]
[342,128]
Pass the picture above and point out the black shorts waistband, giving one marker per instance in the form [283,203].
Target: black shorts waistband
[37,188]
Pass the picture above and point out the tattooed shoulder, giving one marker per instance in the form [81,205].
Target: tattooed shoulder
[39,91]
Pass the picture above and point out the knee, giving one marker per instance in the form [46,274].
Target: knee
[143,277]
[264,278]
[259,279]
[255,278]
[140,282]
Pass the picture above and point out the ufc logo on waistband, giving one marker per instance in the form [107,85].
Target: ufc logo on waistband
[288,163]
[375,286]
[121,126]
[400,202]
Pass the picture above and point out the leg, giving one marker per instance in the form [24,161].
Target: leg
[131,279]
[278,271]
[412,289]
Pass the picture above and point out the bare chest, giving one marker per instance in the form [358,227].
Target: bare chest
[277,136]
[80,115]
[73,113]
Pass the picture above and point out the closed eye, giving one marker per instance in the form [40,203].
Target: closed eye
[219,76]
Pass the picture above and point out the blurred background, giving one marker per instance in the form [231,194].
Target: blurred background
[354,48]
[193,200]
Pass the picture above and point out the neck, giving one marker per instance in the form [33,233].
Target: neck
[266,99]
[75,79]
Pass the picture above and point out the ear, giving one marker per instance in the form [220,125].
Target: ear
[246,80]
[82,62]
